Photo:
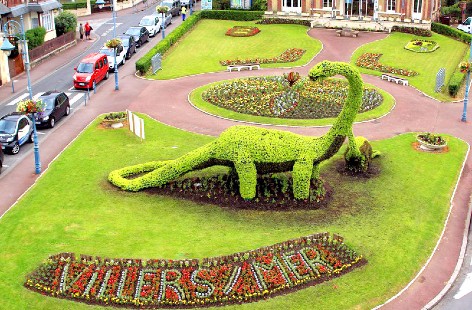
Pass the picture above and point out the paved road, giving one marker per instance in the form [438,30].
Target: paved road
[60,78]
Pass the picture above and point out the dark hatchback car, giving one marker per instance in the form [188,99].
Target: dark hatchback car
[129,44]
[1,159]
[56,106]
[140,34]
[15,130]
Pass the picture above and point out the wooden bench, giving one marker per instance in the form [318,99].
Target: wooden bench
[245,66]
[347,32]
[395,79]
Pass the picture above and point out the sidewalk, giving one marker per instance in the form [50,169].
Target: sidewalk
[435,117]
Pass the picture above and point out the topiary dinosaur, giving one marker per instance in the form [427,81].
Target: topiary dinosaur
[251,150]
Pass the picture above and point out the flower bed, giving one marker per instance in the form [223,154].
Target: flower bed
[290,55]
[371,61]
[30,106]
[240,277]
[242,31]
[273,97]
[422,46]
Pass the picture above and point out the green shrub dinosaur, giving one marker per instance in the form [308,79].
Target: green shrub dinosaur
[251,150]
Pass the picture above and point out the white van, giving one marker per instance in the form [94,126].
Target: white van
[465,26]
[120,56]
[152,24]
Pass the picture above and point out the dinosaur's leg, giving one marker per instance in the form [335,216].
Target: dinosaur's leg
[302,171]
[247,175]
[315,173]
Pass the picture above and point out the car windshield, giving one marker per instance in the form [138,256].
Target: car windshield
[167,4]
[133,31]
[49,103]
[146,22]
[85,67]
[107,51]
[7,127]
[124,41]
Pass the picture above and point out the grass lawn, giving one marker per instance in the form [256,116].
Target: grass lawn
[393,219]
[197,100]
[448,55]
[202,49]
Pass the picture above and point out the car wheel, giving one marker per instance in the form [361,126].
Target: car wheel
[67,110]
[107,75]
[15,149]
[31,138]
[52,122]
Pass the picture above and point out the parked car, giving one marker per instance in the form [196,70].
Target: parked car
[173,5]
[15,130]
[465,26]
[129,44]
[91,70]
[1,159]
[140,34]
[56,106]
[186,3]
[168,18]
[120,56]
[152,24]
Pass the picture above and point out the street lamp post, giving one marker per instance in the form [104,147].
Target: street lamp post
[7,47]
[466,96]
[115,65]
[190,4]
[163,24]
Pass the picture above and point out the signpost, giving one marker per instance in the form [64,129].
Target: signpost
[440,76]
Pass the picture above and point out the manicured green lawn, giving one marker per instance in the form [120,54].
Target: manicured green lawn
[448,55]
[393,219]
[202,49]
[197,100]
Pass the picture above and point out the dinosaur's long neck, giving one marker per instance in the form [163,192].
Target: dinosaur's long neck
[343,124]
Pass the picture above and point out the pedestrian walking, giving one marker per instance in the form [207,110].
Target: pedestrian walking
[87,29]
[81,32]
[184,12]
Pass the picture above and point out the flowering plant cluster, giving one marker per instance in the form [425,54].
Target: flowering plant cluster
[271,21]
[30,106]
[464,66]
[290,55]
[242,31]
[422,46]
[113,43]
[432,139]
[240,277]
[371,61]
[273,97]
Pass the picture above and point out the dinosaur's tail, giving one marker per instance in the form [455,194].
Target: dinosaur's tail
[157,173]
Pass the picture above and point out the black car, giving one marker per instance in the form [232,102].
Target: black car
[140,34]
[129,44]
[15,130]
[56,105]
[1,159]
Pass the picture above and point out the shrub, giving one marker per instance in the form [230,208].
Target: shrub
[259,5]
[413,30]
[238,15]
[268,21]
[35,37]
[65,22]
[451,32]
[221,5]
[455,83]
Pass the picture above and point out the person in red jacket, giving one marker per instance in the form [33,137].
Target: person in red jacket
[87,29]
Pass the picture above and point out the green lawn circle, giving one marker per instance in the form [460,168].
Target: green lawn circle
[196,100]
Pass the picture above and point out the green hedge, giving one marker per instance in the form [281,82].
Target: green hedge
[269,21]
[413,30]
[455,83]
[35,37]
[144,63]
[451,32]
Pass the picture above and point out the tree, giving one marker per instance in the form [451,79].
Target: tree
[65,22]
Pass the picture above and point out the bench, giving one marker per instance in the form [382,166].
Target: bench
[347,32]
[245,66]
[395,79]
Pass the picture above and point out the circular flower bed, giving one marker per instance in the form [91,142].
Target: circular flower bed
[421,46]
[242,31]
[272,96]
[431,141]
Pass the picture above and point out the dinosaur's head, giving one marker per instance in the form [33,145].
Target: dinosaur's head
[322,70]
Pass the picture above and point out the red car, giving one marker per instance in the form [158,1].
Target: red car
[91,70]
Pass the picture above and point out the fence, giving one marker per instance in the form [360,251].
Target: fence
[51,45]
[156,62]
[440,76]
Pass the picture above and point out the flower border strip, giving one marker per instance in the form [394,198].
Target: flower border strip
[290,55]
[237,278]
[371,61]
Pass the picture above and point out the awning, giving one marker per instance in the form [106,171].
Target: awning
[18,10]
[4,9]
[44,6]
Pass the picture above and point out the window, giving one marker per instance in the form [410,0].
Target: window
[391,5]
[47,20]
[417,4]
[327,3]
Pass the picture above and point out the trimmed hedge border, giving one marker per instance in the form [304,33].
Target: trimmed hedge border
[412,30]
[268,21]
[451,32]
[144,63]
[237,278]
